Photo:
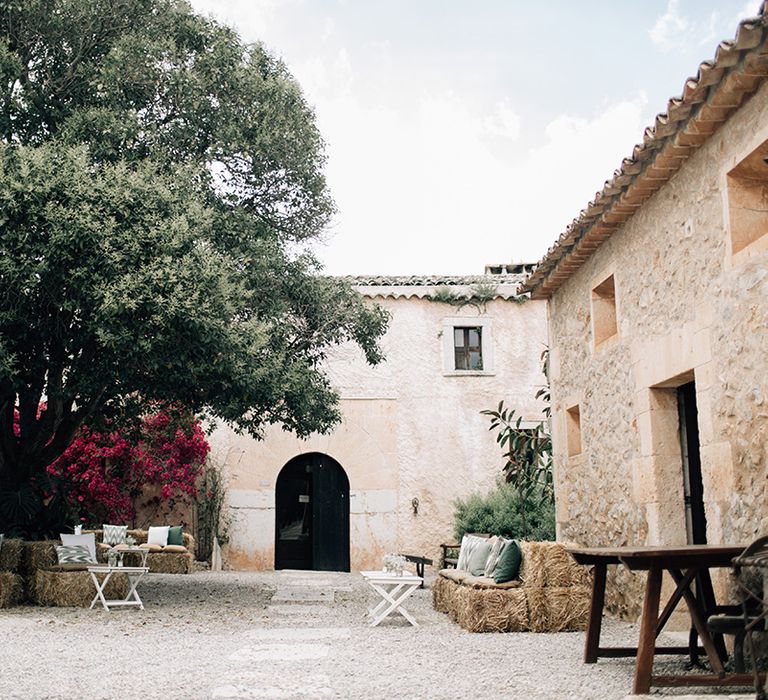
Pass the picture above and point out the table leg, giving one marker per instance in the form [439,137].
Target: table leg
[392,604]
[706,594]
[133,593]
[698,617]
[100,590]
[647,643]
[592,643]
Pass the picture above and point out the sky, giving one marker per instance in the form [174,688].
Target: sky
[461,133]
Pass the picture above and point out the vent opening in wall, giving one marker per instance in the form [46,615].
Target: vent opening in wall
[748,200]
[573,430]
[604,325]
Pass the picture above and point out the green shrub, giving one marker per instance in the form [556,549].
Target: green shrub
[504,512]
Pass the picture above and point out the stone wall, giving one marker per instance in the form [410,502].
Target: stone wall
[687,308]
[410,430]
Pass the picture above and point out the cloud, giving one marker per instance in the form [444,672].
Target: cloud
[504,121]
[750,9]
[427,191]
[671,29]
[675,31]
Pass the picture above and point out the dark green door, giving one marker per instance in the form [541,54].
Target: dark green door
[312,515]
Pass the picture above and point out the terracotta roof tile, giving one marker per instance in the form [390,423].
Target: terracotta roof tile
[721,85]
[420,286]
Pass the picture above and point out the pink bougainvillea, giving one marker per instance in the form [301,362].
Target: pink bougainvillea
[104,474]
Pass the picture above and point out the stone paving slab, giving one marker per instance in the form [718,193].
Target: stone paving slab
[302,633]
[262,685]
[281,652]
[298,610]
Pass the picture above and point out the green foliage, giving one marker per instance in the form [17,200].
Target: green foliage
[213,520]
[527,453]
[159,180]
[505,512]
[478,296]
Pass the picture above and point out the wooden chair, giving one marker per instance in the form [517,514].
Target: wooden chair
[754,609]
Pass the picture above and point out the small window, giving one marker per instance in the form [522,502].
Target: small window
[604,325]
[573,430]
[748,199]
[468,348]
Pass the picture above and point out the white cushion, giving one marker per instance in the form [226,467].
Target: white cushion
[468,545]
[88,541]
[158,535]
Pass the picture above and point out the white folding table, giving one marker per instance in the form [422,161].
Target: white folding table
[393,589]
[134,575]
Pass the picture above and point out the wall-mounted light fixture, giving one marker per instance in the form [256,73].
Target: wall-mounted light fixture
[415,505]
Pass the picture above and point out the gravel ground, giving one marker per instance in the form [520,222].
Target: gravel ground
[291,635]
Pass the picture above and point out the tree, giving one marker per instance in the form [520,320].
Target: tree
[527,451]
[159,183]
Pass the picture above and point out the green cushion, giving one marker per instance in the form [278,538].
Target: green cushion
[175,535]
[479,558]
[508,566]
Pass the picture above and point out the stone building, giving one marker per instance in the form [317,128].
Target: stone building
[412,438]
[658,324]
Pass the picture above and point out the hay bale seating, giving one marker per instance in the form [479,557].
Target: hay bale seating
[11,581]
[551,595]
[11,554]
[165,562]
[11,589]
[62,588]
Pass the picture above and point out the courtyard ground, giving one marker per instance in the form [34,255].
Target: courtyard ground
[290,635]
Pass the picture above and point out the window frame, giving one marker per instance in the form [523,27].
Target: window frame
[486,345]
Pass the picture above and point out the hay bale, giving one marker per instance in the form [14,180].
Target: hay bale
[11,589]
[537,609]
[567,608]
[64,589]
[560,568]
[482,609]
[532,566]
[39,555]
[493,610]
[170,562]
[11,553]
[440,593]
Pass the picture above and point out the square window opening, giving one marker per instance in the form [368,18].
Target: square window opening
[604,323]
[468,348]
[573,430]
[748,199]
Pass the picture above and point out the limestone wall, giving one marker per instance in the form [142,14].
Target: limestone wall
[411,429]
[687,309]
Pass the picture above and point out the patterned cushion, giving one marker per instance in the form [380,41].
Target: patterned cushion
[115,534]
[88,540]
[469,543]
[73,554]
[493,557]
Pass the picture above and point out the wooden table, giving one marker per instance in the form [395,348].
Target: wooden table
[134,575]
[685,564]
[393,589]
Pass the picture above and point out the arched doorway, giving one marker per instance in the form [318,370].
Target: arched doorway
[312,514]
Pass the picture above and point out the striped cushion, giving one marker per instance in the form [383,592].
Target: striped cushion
[493,557]
[469,543]
[115,534]
[73,554]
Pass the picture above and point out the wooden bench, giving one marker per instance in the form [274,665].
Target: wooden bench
[450,562]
